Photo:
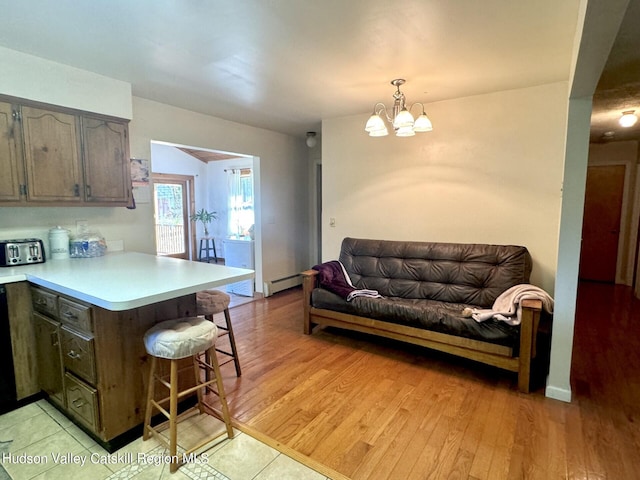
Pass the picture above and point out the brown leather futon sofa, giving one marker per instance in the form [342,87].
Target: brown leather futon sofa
[425,289]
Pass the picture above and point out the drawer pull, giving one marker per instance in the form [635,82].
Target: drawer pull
[70,315]
[41,301]
[73,354]
[78,402]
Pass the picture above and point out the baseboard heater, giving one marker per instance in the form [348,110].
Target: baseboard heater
[275,286]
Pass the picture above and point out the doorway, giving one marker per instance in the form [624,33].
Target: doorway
[601,225]
[207,188]
[173,199]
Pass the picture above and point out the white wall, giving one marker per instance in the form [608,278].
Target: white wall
[490,172]
[283,245]
[26,76]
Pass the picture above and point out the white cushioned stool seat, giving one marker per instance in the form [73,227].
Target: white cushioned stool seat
[172,341]
[180,338]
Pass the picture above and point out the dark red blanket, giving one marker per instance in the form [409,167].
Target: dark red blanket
[332,276]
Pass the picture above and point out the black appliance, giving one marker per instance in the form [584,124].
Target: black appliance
[8,396]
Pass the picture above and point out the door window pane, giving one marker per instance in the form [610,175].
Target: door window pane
[170,229]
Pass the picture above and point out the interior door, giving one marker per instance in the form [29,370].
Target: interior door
[601,224]
[173,201]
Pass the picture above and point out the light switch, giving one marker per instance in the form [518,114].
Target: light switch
[332,222]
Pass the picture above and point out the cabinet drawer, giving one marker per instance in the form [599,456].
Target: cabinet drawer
[82,401]
[45,302]
[78,354]
[75,315]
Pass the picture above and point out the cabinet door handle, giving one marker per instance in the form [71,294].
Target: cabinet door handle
[73,354]
[76,190]
[78,402]
[54,339]
[88,190]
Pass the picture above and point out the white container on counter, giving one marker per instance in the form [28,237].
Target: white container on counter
[59,243]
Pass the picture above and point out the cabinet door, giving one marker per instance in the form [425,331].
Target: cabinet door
[50,371]
[106,163]
[51,156]
[11,161]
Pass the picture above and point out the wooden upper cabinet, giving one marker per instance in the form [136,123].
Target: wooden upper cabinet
[11,161]
[106,160]
[52,156]
[60,156]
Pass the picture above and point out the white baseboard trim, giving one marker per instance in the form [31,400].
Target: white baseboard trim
[556,393]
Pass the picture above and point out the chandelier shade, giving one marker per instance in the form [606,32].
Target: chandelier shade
[401,118]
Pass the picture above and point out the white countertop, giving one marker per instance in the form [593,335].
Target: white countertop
[125,280]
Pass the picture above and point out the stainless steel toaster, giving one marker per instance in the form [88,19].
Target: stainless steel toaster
[23,251]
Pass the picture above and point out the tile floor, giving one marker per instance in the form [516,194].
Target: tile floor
[38,442]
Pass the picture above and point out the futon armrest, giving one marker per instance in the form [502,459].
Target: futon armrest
[531,309]
[309,282]
[532,303]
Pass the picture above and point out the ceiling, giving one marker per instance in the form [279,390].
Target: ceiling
[284,65]
[619,86]
[206,156]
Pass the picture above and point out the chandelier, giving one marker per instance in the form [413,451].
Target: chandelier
[401,118]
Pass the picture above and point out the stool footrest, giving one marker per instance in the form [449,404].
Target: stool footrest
[156,431]
[199,387]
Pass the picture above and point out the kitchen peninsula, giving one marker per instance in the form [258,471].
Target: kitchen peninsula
[77,325]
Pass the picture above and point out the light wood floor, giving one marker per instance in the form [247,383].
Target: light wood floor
[374,409]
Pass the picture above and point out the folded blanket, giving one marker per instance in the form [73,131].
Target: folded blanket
[507,306]
[333,277]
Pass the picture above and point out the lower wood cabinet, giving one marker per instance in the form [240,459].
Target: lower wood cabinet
[66,355]
[92,362]
[50,372]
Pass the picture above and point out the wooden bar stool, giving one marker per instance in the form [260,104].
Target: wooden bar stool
[174,340]
[210,302]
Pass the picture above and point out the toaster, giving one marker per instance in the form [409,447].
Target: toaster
[24,251]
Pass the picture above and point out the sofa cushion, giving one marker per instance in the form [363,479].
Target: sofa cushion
[473,274]
[434,315]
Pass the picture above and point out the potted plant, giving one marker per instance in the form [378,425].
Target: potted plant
[205,217]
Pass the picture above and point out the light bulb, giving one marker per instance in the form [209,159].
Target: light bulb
[312,141]
[628,119]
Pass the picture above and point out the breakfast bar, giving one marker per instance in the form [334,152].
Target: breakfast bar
[79,324]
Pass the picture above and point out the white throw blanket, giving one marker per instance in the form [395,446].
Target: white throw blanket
[508,306]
